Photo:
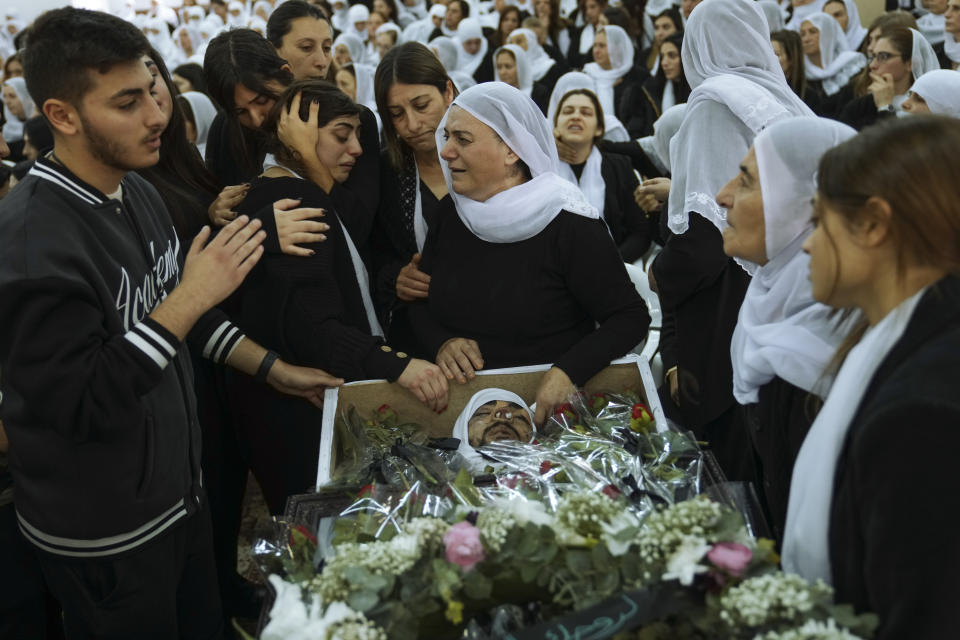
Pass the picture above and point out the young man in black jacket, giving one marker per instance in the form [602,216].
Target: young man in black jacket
[95,303]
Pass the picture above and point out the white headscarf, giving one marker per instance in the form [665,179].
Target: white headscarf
[357,13]
[353,44]
[839,64]
[364,74]
[586,36]
[933,27]
[923,58]
[259,25]
[447,50]
[194,16]
[951,47]
[940,89]
[806,546]
[620,50]
[470,29]
[657,146]
[196,40]
[773,13]
[781,330]
[203,115]
[803,12]
[614,130]
[239,20]
[523,211]
[262,4]
[13,128]
[461,429]
[728,60]
[855,32]
[408,15]
[161,41]
[524,77]
[339,17]
[540,62]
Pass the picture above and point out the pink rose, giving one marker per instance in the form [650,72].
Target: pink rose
[730,556]
[463,545]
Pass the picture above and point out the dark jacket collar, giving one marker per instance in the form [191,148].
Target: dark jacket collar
[46,169]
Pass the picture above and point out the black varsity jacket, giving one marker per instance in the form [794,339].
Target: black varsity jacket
[97,398]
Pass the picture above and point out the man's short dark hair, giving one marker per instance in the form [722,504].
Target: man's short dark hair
[66,45]
[279,24]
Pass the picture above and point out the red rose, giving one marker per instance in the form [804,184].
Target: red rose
[611,492]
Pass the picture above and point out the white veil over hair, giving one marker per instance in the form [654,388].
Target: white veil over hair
[357,13]
[781,330]
[735,76]
[614,131]
[353,43]
[524,76]
[470,29]
[525,210]
[540,62]
[838,62]
[940,89]
[620,50]
[13,127]
[204,112]
[855,31]
[923,58]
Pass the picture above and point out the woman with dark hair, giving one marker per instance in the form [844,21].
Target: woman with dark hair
[317,308]
[899,57]
[189,77]
[525,272]
[388,9]
[885,244]
[301,35]
[510,19]
[558,36]
[607,180]
[789,50]
[413,92]
[660,91]
[666,23]
[246,76]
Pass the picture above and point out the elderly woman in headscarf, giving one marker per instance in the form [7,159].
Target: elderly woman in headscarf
[738,88]
[784,339]
[900,56]
[829,65]
[613,70]
[526,272]
[936,91]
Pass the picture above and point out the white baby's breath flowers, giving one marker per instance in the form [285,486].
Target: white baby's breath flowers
[770,598]
[584,513]
[494,525]
[811,630]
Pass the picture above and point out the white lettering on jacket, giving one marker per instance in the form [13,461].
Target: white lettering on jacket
[136,301]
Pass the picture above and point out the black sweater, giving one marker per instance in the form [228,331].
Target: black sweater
[531,302]
[310,309]
[97,397]
[894,517]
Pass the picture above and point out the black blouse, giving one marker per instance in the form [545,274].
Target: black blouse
[310,309]
[536,301]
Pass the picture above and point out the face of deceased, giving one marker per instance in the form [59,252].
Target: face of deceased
[499,420]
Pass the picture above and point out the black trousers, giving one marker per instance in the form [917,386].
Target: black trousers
[165,589]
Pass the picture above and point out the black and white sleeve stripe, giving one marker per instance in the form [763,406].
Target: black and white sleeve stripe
[153,341]
[222,342]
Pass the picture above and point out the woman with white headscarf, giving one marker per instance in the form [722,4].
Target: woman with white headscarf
[543,69]
[512,67]
[801,11]
[612,69]
[473,46]
[357,17]
[237,15]
[447,51]
[158,35]
[606,179]
[829,63]
[526,272]
[188,40]
[773,13]
[614,131]
[738,89]
[936,91]
[348,48]
[262,9]
[845,12]
[18,107]
[869,496]
[900,56]
[784,339]
[339,18]
[199,113]
[951,46]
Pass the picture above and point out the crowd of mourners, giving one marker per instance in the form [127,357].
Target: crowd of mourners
[211,212]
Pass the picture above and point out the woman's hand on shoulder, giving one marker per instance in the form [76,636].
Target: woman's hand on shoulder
[555,389]
[221,211]
[413,284]
[298,225]
[425,380]
[460,358]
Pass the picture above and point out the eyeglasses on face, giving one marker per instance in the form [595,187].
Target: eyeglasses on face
[883,56]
